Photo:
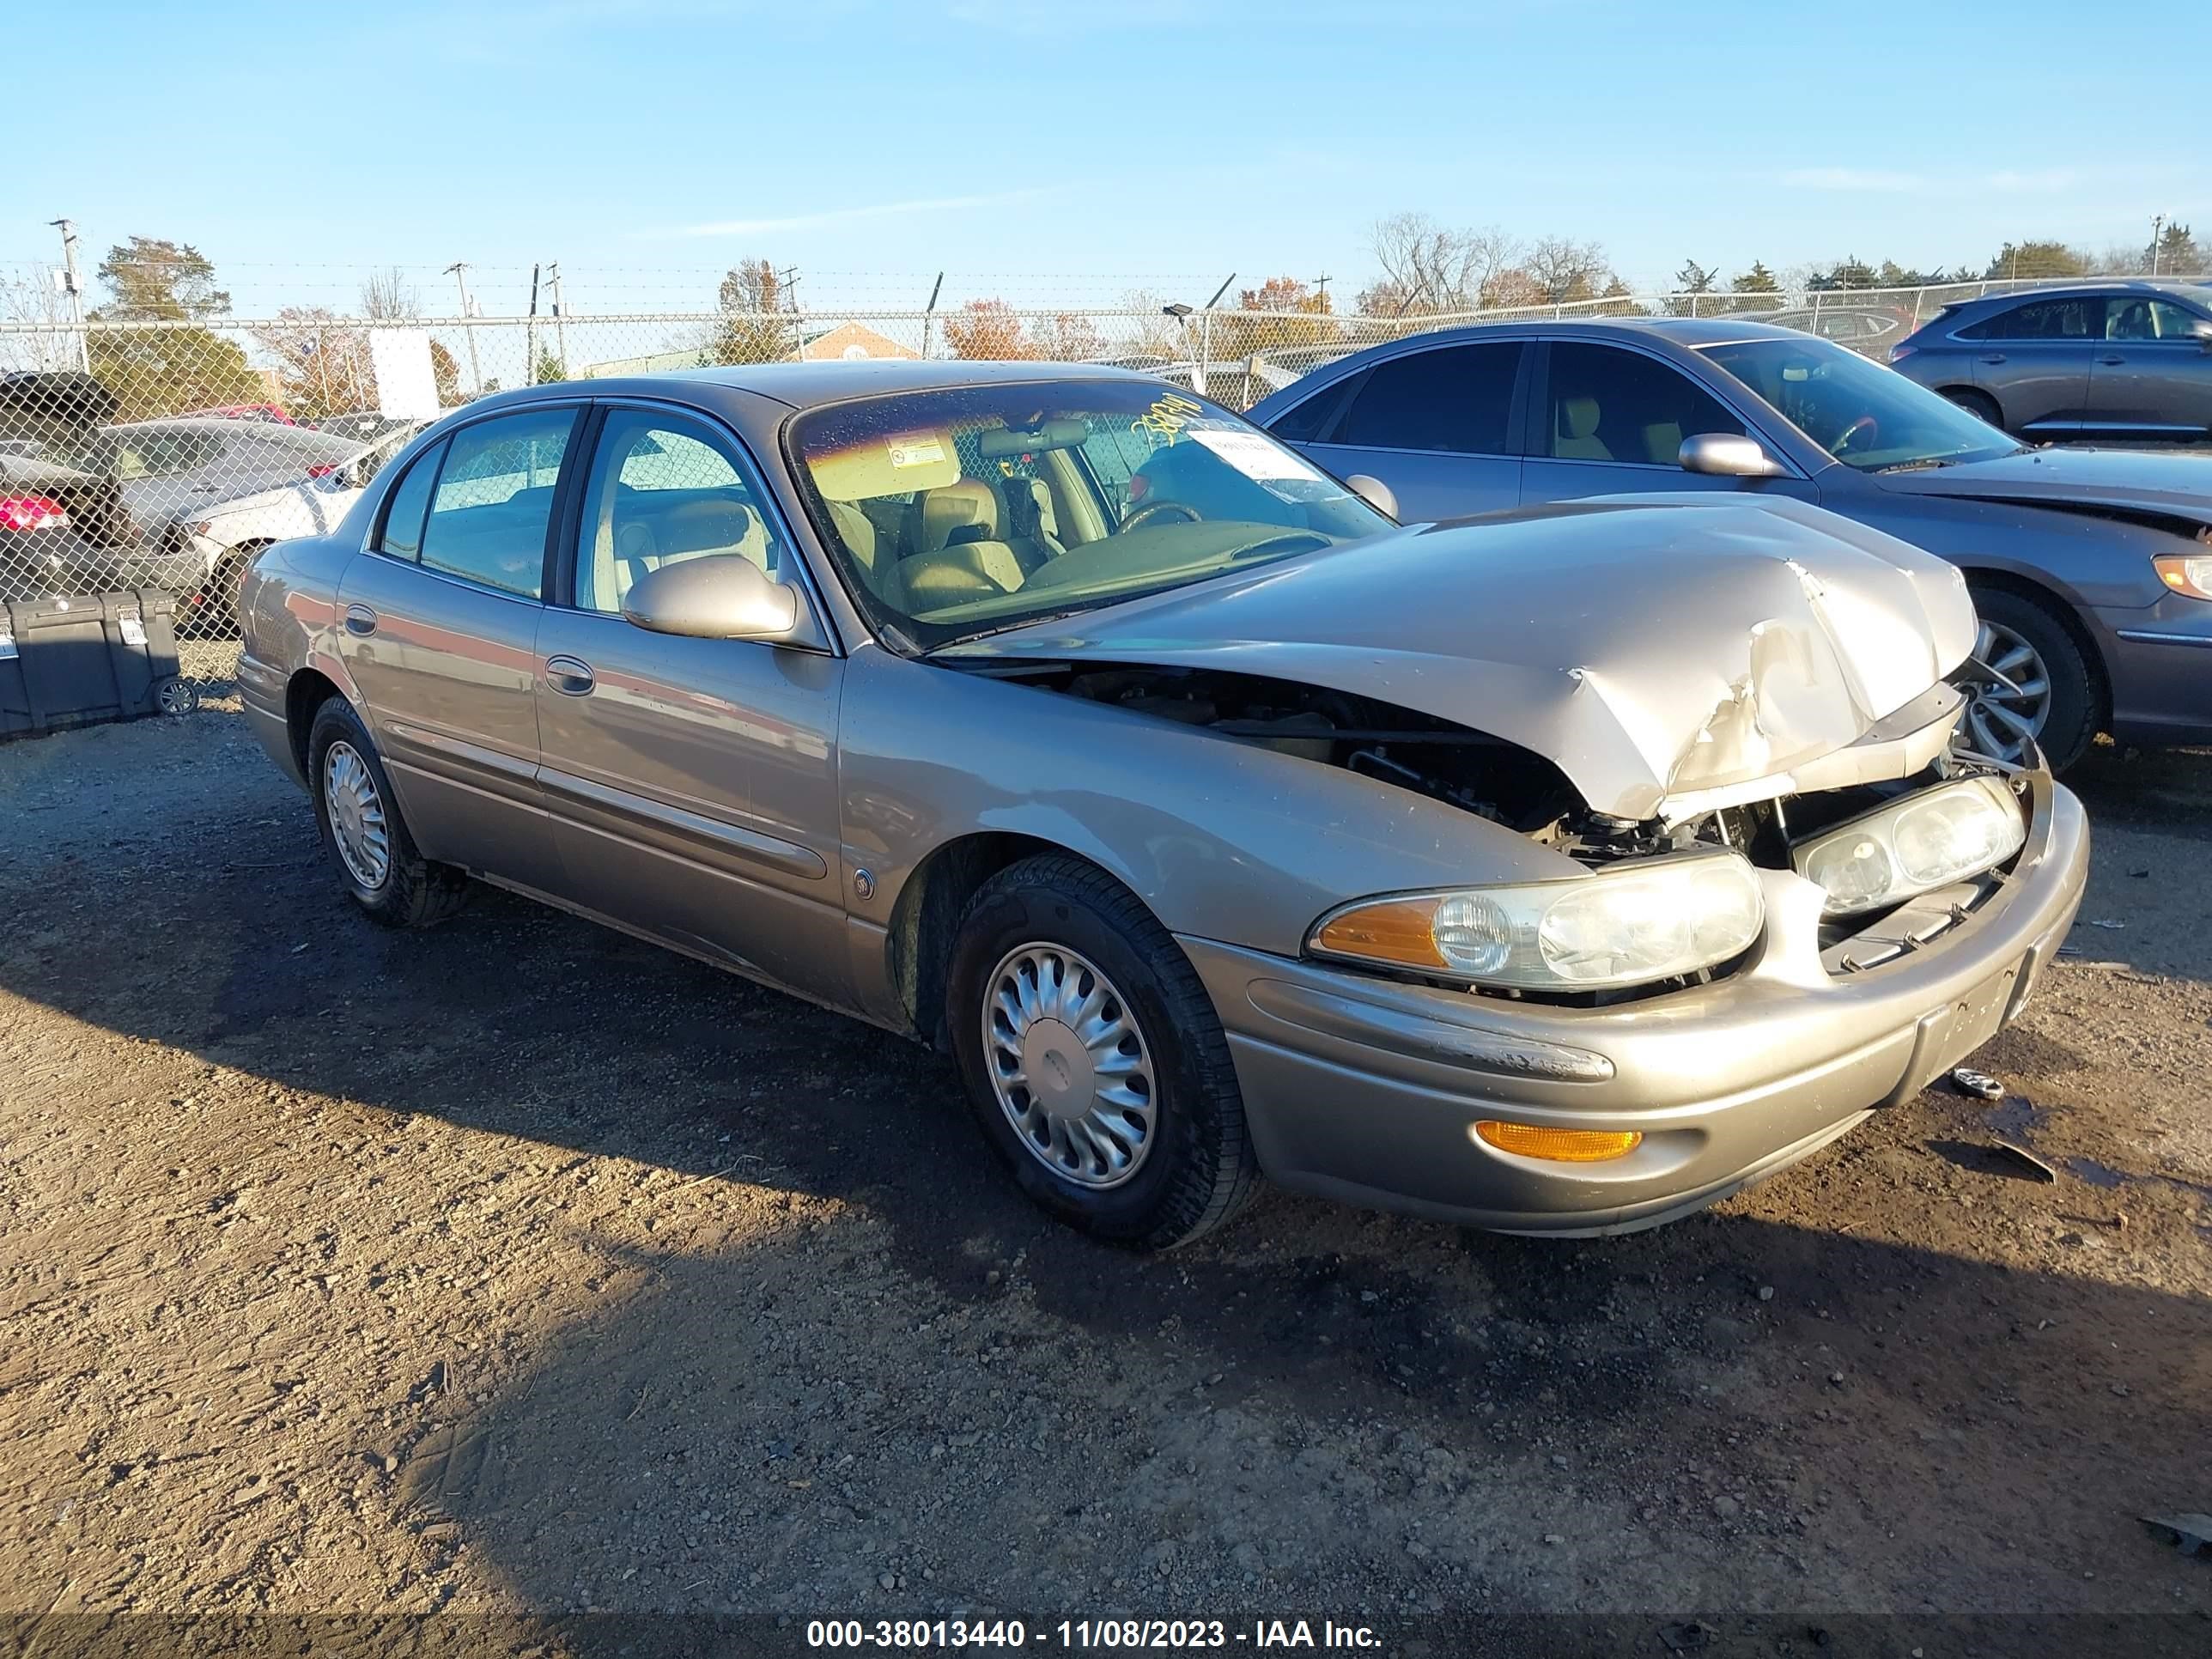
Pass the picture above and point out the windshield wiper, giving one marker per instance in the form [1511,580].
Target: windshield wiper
[1007,628]
[1925,463]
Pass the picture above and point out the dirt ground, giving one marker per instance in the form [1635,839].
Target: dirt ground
[516,1268]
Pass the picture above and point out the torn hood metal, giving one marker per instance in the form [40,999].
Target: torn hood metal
[1668,654]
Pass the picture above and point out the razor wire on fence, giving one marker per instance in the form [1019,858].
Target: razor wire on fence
[167,452]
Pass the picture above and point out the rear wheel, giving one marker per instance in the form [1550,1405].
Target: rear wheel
[1093,1057]
[1979,404]
[367,840]
[2041,687]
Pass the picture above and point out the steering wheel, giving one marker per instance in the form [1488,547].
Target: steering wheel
[1865,424]
[1144,515]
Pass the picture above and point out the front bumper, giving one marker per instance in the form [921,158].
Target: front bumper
[1367,1090]
[2160,658]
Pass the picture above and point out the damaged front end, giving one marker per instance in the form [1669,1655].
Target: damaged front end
[1902,824]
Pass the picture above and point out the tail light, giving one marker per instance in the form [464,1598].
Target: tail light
[32,513]
[323,470]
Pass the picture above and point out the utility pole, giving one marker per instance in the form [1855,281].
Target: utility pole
[560,317]
[1320,287]
[788,289]
[72,285]
[2157,229]
[530,333]
[459,270]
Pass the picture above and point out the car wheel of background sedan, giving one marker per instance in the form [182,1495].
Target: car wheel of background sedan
[2045,692]
[1980,405]
[368,839]
[1093,1057]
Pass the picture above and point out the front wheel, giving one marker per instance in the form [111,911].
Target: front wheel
[1093,1058]
[2043,690]
[1979,404]
[377,859]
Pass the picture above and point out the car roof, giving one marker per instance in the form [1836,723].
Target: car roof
[1691,332]
[803,385]
[2089,290]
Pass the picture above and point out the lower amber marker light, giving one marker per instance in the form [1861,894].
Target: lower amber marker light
[1558,1145]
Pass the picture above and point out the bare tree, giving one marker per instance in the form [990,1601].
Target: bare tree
[1427,267]
[1565,268]
[28,295]
[387,296]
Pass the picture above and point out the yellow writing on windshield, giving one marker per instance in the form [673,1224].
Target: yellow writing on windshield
[1167,416]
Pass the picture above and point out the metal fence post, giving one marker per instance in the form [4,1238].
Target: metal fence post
[1204,351]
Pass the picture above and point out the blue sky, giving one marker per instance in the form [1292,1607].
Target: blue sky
[647,144]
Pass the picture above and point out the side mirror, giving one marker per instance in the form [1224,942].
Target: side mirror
[1724,455]
[724,596]
[2202,329]
[1376,494]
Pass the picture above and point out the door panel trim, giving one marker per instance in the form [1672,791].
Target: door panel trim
[662,828]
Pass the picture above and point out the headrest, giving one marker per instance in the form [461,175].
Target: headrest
[967,511]
[1577,417]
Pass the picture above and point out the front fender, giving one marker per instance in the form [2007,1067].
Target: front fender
[1222,840]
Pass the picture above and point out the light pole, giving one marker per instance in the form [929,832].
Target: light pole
[560,316]
[459,270]
[75,286]
[2157,229]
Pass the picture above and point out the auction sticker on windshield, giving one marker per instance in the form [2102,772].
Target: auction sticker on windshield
[1264,461]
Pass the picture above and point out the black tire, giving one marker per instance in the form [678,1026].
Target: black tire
[1979,404]
[414,892]
[1199,1169]
[2071,724]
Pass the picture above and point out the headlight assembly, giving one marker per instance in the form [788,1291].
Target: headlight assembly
[2186,573]
[1926,841]
[1626,924]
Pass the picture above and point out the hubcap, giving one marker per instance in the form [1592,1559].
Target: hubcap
[1071,1070]
[356,815]
[2007,711]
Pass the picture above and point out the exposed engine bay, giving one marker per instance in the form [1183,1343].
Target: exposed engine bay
[1473,771]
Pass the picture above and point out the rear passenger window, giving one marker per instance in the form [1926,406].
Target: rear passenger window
[403,518]
[2048,319]
[1607,405]
[494,500]
[1457,399]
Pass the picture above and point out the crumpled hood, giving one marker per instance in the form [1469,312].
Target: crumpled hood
[1651,646]
[2121,479]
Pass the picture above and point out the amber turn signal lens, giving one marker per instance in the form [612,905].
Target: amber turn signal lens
[1395,930]
[1558,1145]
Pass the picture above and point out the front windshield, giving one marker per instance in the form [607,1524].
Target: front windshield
[964,512]
[1864,414]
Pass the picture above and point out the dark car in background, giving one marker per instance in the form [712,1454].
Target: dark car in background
[2110,360]
[62,514]
[2091,569]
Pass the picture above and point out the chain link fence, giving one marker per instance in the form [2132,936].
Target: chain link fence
[166,453]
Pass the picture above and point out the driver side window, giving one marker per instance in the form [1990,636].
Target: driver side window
[1607,405]
[664,488]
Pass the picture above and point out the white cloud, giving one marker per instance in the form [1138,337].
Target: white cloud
[849,215]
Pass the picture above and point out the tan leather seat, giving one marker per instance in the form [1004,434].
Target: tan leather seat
[954,552]
[1576,438]
[857,532]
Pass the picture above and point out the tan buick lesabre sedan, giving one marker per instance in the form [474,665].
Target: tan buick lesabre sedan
[1559,871]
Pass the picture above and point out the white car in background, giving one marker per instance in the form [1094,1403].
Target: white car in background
[227,534]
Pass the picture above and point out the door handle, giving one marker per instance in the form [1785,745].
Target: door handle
[360,619]
[2111,359]
[570,676]
[1993,356]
